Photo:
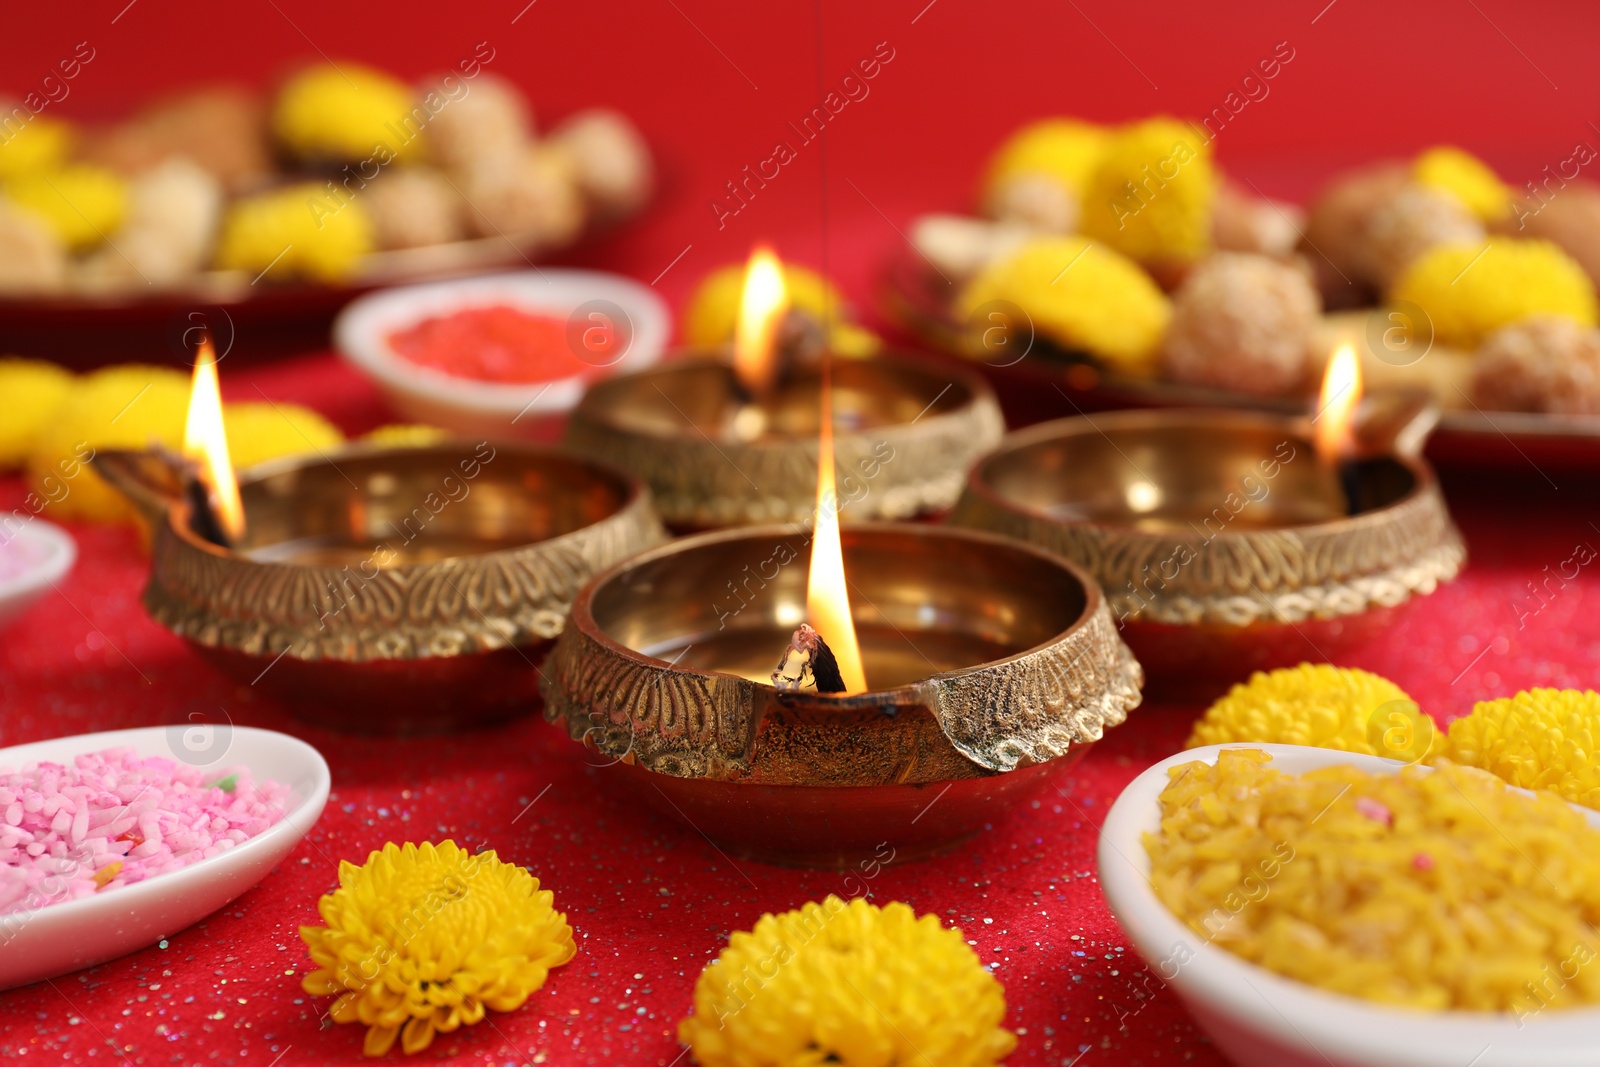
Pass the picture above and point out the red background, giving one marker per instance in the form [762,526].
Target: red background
[713,85]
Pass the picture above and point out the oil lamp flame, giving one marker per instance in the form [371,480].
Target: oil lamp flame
[1341,392]
[761,308]
[204,440]
[827,595]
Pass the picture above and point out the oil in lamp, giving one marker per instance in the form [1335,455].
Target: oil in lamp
[927,679]
[726,441]
[376,588]
[1233,541]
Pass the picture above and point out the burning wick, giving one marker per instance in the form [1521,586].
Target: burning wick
[212,491]
[809,654]
[1336,407]
[762,307]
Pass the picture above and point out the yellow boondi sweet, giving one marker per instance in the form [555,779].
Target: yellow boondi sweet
[82,204]
[1065,149]
[1323,706]
[348,112]
[405,435]
[127,406]
[1467,178]
[1441,890]
[299,230]
[41,144]
[1151,195]
[1538,739]
[424,939]
[713,308]
[1079,294]
[1470,290]
[31,391]
[847,984]
[259,431]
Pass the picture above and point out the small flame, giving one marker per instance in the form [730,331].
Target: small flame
[1341,392]
[204,440]
[827,596]
[761,309]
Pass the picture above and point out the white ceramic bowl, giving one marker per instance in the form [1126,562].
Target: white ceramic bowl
[59,938]
[51,551]
[1262,1020]
[490,409]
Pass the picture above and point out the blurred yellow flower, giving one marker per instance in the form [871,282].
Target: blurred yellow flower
[1471,290]
[847,984]
[425,939]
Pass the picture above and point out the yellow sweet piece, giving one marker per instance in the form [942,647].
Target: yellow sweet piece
[347,112]
[1081,294]
[301,230]
[847,984]
[1323,706]
[1068,150]
[258,431]
[1151,194]
[127,406]
[713,309]
[31,391]
[405,435]
[1470,290]
[83,204]
[1538,739]
[41,144]
[1467,178]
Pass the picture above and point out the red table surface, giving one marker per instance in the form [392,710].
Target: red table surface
[714,84]
[651,901]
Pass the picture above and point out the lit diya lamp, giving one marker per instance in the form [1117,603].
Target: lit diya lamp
[815,697]
[1231,541]
[377,588]
[724,442]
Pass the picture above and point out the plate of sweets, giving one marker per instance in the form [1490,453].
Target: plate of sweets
[1123,266]
[340,179]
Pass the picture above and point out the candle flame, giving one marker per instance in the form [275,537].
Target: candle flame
[761,308]
[205,440]
[1341,392]
[827,594]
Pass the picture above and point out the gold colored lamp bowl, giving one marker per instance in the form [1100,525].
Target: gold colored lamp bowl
[993,667]
[906,429]
[392,590]
[1222,544]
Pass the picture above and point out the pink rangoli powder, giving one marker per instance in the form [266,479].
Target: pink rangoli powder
[114,818]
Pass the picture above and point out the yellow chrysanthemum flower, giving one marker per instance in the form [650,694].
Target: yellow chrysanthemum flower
[1080,294]
[849,984]
[259,431]
[40,145]
[1469,291]
[1068,150]
[347,112]
[405,435]
[424,939]
[126,406]
[1151,195]
[299,230]
[1322,706]
[31,391]
[1467,178]
[82,204]
[1538,739]
[713,309]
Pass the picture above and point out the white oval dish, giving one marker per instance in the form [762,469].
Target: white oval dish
[52,551]
[1260,1019]
[59,938]
[492,409]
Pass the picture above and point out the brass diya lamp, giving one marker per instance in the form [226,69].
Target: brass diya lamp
[725,443]
[1231,541]
[377,589]
[951,676]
